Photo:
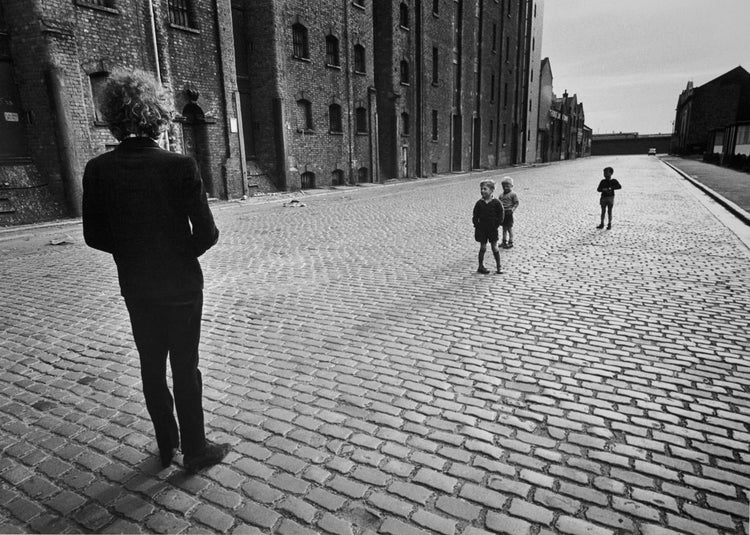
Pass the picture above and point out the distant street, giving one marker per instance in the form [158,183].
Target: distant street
[371,381]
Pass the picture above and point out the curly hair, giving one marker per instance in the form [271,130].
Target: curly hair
[489,183]
[134,103]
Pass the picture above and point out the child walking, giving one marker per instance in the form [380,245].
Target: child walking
[509,200]
[607,188]
[487,217]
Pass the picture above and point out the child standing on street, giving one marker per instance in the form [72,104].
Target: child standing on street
[487,217]
[607,188]
[509,200]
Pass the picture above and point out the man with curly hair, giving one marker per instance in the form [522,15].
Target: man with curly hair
[148,208]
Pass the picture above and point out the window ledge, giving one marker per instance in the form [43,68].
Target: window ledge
[305,131]
[359,6]
[407,28]
[406,84]
[300,58]
[184,28]
[332,66]
[336,132]
[110,10]
[361,73]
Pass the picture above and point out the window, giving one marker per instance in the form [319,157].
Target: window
[359,59]
[334,118]
[505,95]
[492,131]
[363,175]
[404,124]
[434,125]
[435,7]
[435,65]
[307,180]
[98,3]
[361,120]
[494,38]
[98,80]
[507,49]
[743,135]
[304,114]
[332,51]
[533,43]
[508,3]
[403,15]
[337,178]
[299,39]
[434,168]
[492,88]
[404,71]
[505,134]
[179,13]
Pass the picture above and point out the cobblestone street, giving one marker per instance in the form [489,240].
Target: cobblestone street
[370,381]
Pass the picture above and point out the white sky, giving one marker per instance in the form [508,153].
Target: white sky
[629,60]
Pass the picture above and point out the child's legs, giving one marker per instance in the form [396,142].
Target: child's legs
[609,211]
[495,248]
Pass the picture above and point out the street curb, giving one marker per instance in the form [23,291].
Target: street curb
[738,212]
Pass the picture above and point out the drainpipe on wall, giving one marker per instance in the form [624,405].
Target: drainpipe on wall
[157,61]
[349,92]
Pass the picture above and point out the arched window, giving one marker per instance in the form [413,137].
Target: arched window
[404,15]
[334,118]
[361,116]
[307,180]
[404,124]
[332,51]
[363,174]
[360,65]
[404,71]
[337,177]
[300,43]
[304,112]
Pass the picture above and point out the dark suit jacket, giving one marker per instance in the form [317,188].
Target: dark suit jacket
[148,208]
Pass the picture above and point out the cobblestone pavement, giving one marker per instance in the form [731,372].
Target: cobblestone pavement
[371,382]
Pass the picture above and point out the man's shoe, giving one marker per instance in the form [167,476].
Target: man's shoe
[609,227]
[499,271]
[600,226]
[212,454]
[510,245]
[483,270]
[166,456]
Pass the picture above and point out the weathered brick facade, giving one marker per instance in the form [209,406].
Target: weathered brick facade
[723,101]
[280,94]
[61,49]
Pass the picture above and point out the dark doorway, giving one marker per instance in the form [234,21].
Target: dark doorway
[477,144]
[456,143]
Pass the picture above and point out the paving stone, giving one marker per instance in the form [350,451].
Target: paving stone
[501,523]
[576,526]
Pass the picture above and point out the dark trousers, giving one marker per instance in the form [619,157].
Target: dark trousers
[171,329]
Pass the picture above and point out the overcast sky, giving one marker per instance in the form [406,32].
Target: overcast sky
[628,60]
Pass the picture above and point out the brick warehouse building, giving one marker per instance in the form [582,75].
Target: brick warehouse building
[60,52]
[270,94]
[453,80]
[717,104]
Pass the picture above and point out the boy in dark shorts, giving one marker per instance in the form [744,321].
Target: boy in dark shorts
[607,188]
[487,217]
[509,200]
